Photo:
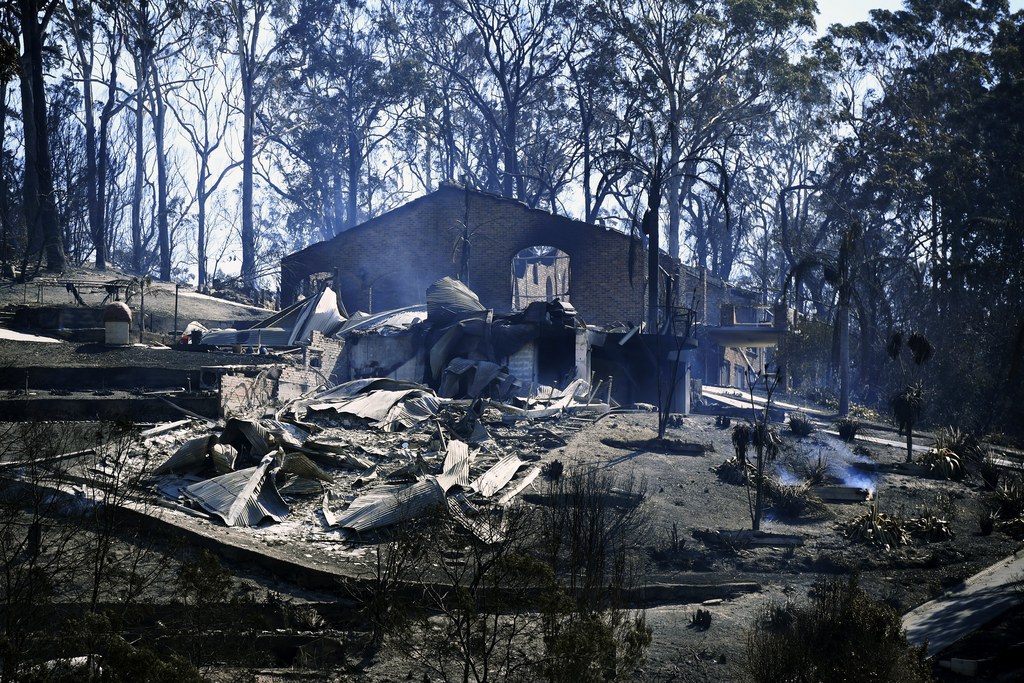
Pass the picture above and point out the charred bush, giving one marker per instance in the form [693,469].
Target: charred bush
[840,634]
[986,523]
[701,619]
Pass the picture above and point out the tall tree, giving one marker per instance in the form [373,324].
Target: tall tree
[96,44]
[253,50]
[203,116]
[33,19]
[700,67]
[348,98]
[519,47]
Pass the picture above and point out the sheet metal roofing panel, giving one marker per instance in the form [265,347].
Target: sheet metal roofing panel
[321,315]
[514,490]
[495,478]
[257,336]
[290,327]
[410,412]
[301,466]
[391,504]
[360,386]
[479,522]
[449,299]
[373,406]
[243,498]
[189,454]
[397,318]
[455,469]
[239,432]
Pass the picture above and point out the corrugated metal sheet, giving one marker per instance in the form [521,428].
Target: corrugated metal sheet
[243,498]
[301,466]
[382,323]
[287,433]
[477,521]
[495,478]
[362,386]
[190,454]
[449,299]
[514,490]
[409,413]
[321,315]
[223,456]
[248,434]
[372,406]
[455,469]
[391,504]
[290,327]
[257,336]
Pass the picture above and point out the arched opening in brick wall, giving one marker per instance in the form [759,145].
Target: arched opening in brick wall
[539,273]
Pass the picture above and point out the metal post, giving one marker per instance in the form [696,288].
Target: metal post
[176,286]
[142,309]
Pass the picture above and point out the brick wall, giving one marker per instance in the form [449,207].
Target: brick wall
[389,261]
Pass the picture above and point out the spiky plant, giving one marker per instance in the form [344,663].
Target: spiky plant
[962,442]
[847,428]
[800,424]
[942,462]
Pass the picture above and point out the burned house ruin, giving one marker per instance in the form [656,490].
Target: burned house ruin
[529,266]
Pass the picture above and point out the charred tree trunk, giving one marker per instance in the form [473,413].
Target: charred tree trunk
[246,50]
[843,323]
[652,229]
[354,166]
[159,117]
[140,161]
[40,209]
[201,195]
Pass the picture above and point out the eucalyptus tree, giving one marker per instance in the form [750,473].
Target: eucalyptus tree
[67,138]
[938,153]
[157,31]
[243,33]
[346,97]
[597,102]
[202,109]
[96,45]
[515,51]
[698,68]
[9,69]
[29,21]
[447,134]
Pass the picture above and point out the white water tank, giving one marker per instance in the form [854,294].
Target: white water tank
[117,319]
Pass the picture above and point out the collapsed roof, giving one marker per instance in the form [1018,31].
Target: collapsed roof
[290,327]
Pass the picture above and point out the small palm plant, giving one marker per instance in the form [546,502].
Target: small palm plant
[907,405]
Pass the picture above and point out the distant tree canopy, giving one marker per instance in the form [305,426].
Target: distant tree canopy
[751,145]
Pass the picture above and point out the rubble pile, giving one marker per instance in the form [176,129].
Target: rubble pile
[368,454]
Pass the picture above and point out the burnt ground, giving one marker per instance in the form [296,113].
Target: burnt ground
[15,355]
[687,496]
[160,298]
[685,499]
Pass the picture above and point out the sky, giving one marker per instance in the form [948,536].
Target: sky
[852,11]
